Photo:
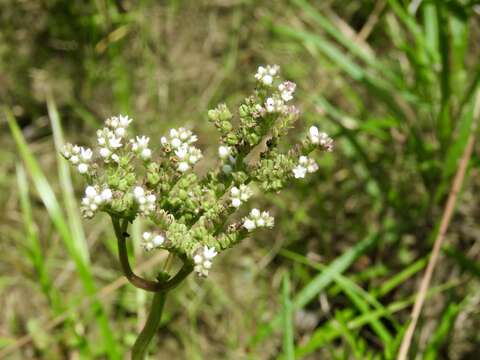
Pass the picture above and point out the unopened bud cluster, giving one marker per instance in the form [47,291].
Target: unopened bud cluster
[188,214]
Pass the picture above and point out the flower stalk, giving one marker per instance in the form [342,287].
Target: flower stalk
[189,215]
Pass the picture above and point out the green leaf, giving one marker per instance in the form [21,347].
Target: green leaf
[287,315]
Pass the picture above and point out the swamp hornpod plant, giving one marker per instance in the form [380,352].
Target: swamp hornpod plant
[190,215]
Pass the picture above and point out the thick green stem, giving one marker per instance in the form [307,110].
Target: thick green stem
[138,281]
[140,347]
[160,288]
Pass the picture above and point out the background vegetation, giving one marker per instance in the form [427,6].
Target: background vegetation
[393,81]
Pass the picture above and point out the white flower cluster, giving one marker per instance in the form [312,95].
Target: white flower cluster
[140,147]
[305,164]
[178,138]
[152,241]
[203,260]
[93,199]
[78,156]
[274,104]
[240,195]
[287,88]
[188,156]
[266,74]
[320,138]
[145,200]
[257,219]
[110,137]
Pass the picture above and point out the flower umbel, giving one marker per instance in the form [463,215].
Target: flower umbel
[203,260]
[191,212]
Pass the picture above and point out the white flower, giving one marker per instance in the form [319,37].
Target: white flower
[287,88]
[320,138]
[86,154]
[274,104]
[140,147]
[78,156]
[179,137]
[146,154]
[203,260]
[249,224]
[236,202]
[152,241]
[189,156]
[305,164]
[257,219]
[299,171]
[106,194]
[104,152]
[146,200]
[138,192]
[224,152]
[118,125]
[109,141]
[124,121]
[82,168]
[183,166]
[114,142]
[266,74]
[240,195]
[93,199]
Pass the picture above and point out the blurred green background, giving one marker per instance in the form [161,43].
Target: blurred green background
[394,82]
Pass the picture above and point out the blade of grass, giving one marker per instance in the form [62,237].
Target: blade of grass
[347,42]
[347,334]
[442,230]
[437,339]
[319,283]
[34,247]
[72,213]
[287,315]
[352,290]
[444,121]
[328,332]
[401,277]
[55,212]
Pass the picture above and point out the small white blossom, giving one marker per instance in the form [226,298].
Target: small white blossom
[146,200]
[274,104]
[118,125]
[152,241]
[183,166]
[86,154]
[305,164]
[105,152]
[257,219]
[287,88]
[93,199]
[140,147]
[82,168]
[320,138]
[203,260]
[178,138]
[299,171]
[240,195]
[188,156]
[224,152]
[266,74]
[109,142]
[79,156]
